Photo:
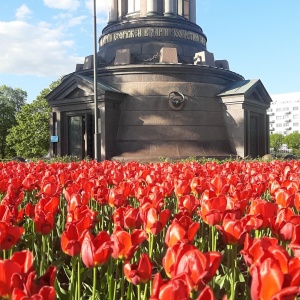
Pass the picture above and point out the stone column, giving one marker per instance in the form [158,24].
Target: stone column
[169,8]
[113,11]
[152,8]
[121,9]
[143,8]
[193,14]
[130,6]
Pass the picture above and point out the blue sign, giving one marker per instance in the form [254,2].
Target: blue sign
[54,139]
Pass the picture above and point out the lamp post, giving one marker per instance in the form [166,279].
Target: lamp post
[96,112]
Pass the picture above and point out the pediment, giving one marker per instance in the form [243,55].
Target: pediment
[252,90]
[76,86]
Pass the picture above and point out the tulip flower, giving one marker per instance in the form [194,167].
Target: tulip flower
[201,267]
[44,222]
[139,273]
[72,237]
[267,279]
[95,251]
[212,208]
[154,222]
[282,226]
[267,210]
[171,256]
[234,230]
[9,235]
[182,187]
[125,244]
[206,294]
[181,230]
[175,289]
[188,203]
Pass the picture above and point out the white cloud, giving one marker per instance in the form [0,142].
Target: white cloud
[35,49]
[23,12]
[69,20]
[101,6]
[63,4]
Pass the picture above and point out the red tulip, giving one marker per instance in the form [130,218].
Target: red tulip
[174,289]
[288,293]
[139,273]
[212,208]
[206,294]
[201,267]
[171,256]
[282,226]
[182,187]
[44,222]
[7,269]
[219,185]
[284,198]
[154,222]
[181,230]
[125,244]
[95,251]
[188,203]
[72,237]
[9,235]
[263,208]
[267,280]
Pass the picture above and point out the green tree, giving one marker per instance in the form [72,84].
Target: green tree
[30,136]
[276,141]
[293,141]
[11,102]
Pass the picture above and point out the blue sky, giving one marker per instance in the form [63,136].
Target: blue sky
[41,40]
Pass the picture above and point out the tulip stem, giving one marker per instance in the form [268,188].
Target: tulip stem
[151,244]
[139,292]
[42,265]
[72,279]
[78,278]
[232,265]
[110,282]
[145,291]
[122,281]
[94,283]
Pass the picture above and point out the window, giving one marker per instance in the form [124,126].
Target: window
[278,117]
[295,116]
[296,124]
[278,109]
[279,125]
[285,124]
[285,109]
[295,108]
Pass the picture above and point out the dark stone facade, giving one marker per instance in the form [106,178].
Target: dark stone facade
[160,94]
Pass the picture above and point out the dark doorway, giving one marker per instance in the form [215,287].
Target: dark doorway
[76,136]
[80,136]
[254,136]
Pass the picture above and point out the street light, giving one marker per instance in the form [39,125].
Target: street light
[96,113]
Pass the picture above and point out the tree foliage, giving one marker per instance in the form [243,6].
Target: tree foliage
[293,141]
[11,102]
[276,141]
[30,136]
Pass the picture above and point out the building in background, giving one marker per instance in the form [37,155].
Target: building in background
[284,113]
[161,93]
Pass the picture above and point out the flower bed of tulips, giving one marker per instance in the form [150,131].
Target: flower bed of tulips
[154,231]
